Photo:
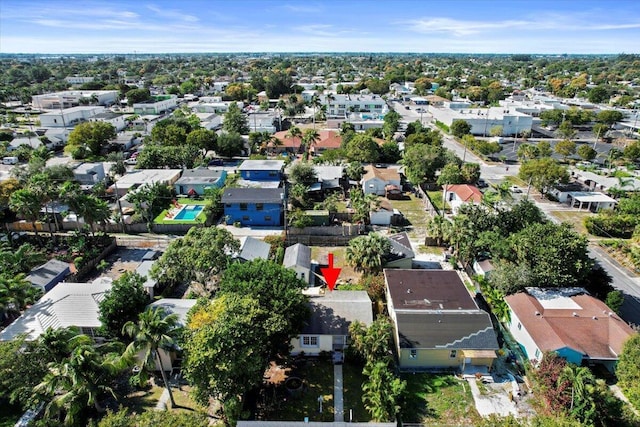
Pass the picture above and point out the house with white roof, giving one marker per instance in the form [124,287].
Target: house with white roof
[65,305]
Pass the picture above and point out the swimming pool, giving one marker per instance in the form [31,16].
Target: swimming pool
[189,213]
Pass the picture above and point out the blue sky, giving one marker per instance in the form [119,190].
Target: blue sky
[469,26]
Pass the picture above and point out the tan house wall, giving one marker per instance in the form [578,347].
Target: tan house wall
[325,343]
[430,359]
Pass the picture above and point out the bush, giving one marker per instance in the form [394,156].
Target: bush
[611,225]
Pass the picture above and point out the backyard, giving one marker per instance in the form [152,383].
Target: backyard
[317,380]
[438,400]
[348,274]
[172,215]
[413,210]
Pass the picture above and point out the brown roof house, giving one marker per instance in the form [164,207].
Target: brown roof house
[438,325]
[458,194]
[375,180]
[570,322]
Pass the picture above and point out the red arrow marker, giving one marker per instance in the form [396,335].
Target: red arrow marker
[331,274]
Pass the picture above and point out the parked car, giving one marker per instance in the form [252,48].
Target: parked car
[515,189]
[215,162]
[481,183]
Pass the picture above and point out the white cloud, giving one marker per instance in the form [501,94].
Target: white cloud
[172,14]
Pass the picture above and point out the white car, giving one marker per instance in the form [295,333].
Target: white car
[515,189]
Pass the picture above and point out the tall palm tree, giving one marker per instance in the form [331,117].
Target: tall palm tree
[315,103]
[94,210]
[46,190]
[309,139]
[155,331]
[294,132]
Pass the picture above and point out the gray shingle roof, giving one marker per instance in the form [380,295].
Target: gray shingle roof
[297,254]
[45,273]
[466,330]
[254,249]
[252,195]
[332,313]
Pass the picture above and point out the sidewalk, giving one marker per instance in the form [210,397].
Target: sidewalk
[338,398]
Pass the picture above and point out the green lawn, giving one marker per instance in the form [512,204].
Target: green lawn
[352,381]
[436,199]
[412,209]
[575,218]
[143,400]
[200,219]
[438,400]
[318,378]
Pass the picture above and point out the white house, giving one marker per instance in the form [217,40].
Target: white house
[298,258]
[89,173]
[331,315]
[78,80]
[459,194]
[375,180]
[65,305]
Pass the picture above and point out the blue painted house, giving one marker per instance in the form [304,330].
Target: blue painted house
[253,206]
[198,180]
[262,170]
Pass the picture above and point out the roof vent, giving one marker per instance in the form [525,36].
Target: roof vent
[408,290]
[574,314]
[610,314]
[537,313]
[604,311]
[594,318]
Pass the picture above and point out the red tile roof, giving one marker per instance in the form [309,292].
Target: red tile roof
[288,142]
[329,139]
[591,329]
[466,192]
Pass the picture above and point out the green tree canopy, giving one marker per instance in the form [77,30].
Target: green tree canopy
[92,136]
[122,303]
[628,369]
[422,161]
[362,148]
[229,145]
[302,173]
[543,173]
[460,128]
[368,253]
[235,121]
[137,95]
[205,250]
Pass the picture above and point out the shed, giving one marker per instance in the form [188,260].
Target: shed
[298,258]
[254,249]
[49,274]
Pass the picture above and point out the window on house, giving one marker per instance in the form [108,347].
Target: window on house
[274,173]
[267,218]
[519,325]
[259,206]
[413,354]
[453,354]
[309,341]
[537,354]
[228,205]
[245,218]
[243,206]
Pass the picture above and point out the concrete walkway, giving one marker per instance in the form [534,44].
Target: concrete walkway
[338,398]
[493,403]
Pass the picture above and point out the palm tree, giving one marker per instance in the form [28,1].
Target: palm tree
[367,253]
[294,132]
[309,139]
[381,391]
[436,228]
[155,331]
[328,98]
[26,203]
[15,294]
[59,343]
[315,103]
[93,210]
[20,260]
[78,382]
[579,377]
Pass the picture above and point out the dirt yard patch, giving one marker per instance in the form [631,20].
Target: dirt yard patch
[348,274]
